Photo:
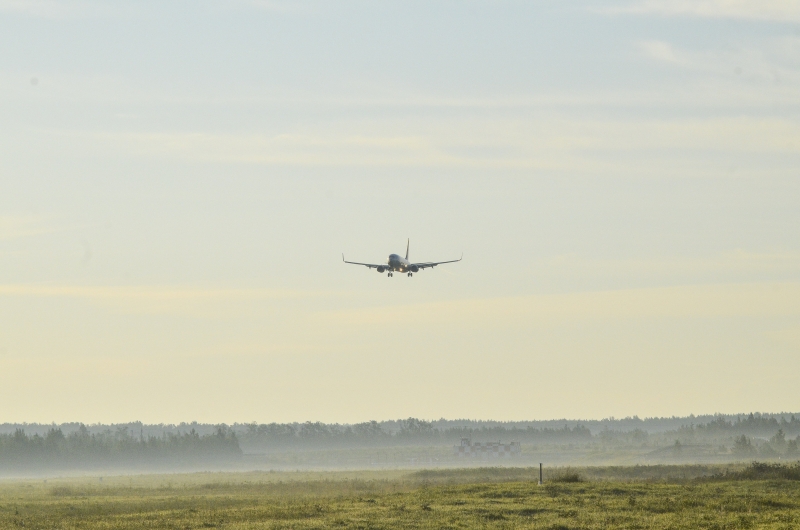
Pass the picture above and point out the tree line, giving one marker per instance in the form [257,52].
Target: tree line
[136,442]
[414,431]
[776,446]
[752,424]
[411,431]
[82,448]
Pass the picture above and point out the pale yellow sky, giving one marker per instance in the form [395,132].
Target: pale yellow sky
[620,176]
[245,355]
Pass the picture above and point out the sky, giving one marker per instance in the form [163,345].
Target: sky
[179,181]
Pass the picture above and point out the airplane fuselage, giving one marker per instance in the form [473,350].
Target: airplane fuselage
[397,263]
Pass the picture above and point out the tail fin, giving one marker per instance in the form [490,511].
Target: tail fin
[408,244]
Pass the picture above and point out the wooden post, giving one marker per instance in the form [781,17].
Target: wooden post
[540,473]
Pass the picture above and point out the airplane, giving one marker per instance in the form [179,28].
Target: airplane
[397,264]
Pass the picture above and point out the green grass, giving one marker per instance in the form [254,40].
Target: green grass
[471,498]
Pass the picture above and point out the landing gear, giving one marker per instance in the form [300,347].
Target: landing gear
[410,274]
[389,275]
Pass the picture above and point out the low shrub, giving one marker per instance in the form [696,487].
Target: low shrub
[567,476]
[763,471]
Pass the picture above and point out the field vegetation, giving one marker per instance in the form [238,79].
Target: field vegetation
[754,496]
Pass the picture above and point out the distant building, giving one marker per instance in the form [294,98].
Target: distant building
[486,450]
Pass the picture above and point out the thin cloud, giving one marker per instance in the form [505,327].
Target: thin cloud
[697,301]
[789,335]
[15,227]
[557,143]
[154,293]
[60,9]
[767,63]
[772,10]
[661,51]
[736,262]
[192,302]
[280,6]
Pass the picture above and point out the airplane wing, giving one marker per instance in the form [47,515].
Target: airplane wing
[432,264]
[370,265]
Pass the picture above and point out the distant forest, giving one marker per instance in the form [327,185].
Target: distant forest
[413,431]
[75,445]
[113,448]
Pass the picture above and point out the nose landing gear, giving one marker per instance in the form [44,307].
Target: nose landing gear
[410,274]
[389,275]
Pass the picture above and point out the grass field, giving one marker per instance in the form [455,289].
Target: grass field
[644,497]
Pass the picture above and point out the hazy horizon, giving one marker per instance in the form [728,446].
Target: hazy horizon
[179,181]
[635,419]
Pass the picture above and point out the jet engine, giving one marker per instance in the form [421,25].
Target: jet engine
[414,268]
[380,269]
